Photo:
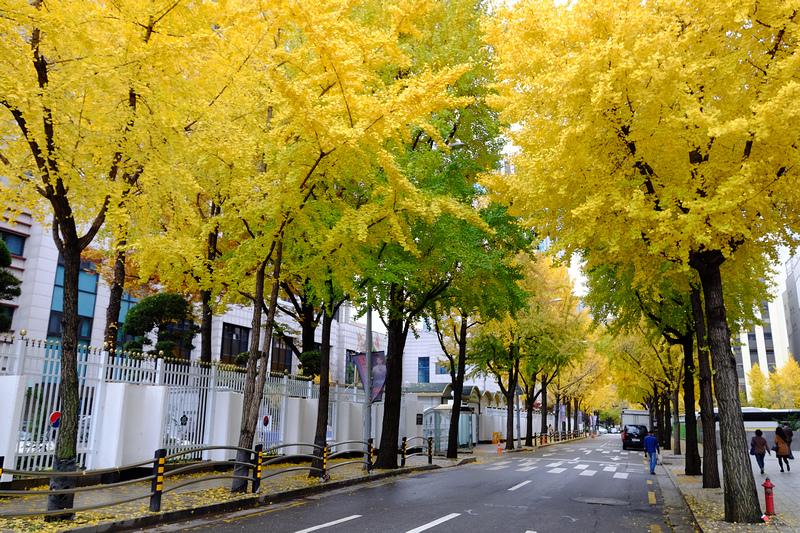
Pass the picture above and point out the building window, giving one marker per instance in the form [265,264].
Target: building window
[183,347]
[424,370]
[55,327]
[281,356]
[235,340]
[441,369]
[7,310]
[14,242]
[127,302]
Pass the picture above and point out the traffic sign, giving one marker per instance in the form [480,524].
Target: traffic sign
[55,419]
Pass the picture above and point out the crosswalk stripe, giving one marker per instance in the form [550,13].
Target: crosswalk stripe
[621,475]
[556,470]
[525,469]
[588,472]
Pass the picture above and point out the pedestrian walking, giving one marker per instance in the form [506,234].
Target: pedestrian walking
[789,433]
[758,447]
[781,448]
[652,450]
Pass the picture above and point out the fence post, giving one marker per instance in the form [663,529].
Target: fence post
[211,400]
[19,364]
[158,482]
[369,455]
[430,450]
[160,370]
[257,470]
[403,460]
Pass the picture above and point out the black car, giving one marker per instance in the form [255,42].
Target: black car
[633,436]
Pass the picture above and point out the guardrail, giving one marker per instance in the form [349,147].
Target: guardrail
[255,467]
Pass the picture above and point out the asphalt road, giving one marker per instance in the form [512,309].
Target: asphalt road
[587,486]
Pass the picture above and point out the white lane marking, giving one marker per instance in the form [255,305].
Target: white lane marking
[610,469]
[606,451]
[588,472]
[503,462]
[621,475]
[498,467]
[553,465]
[556,470]
[529,531]
[434,523]
[321,526]
[526,469]
[515,487]
[581,467]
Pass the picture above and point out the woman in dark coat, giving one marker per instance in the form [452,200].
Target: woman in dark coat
[783,448]
[759,445]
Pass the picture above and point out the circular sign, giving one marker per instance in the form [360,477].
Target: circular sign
[55,419]
[266,421]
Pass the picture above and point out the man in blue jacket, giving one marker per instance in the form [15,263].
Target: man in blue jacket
[652,450]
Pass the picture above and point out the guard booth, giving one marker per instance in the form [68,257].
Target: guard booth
[436,425]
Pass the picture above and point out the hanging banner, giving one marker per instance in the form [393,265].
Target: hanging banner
[580,417]
[378,372]
[562,413]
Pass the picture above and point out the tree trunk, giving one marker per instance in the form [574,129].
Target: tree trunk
[396,331]
[692,463]
[568,405]
[543,425]
[741,496]
[67,440]
[240,485]
[115,300]
[675,422]
[321,432]
[710,464]
[512,389]
[207,316]
[452,436]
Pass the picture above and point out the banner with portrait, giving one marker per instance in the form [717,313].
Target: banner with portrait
[378,372]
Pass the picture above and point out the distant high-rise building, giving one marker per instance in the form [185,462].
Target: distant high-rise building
[791,306]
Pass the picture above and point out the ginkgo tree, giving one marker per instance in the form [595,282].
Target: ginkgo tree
[89,98]
[669,123]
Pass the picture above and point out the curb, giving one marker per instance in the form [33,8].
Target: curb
[676,486]
[250,502]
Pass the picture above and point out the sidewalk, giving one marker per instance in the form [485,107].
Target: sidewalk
[708,505]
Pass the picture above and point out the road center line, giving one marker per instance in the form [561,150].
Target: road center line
[321,526]
[434,523]
[515,487]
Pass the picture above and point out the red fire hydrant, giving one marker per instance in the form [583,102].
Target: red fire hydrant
[768,486]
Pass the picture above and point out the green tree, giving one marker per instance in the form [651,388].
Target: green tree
[162,313]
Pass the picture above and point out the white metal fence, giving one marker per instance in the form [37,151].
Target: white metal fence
[190,387]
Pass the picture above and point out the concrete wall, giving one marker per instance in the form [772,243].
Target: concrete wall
[12,400]
[132,421]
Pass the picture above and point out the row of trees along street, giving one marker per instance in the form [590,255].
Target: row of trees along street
[237,152]
[660,141]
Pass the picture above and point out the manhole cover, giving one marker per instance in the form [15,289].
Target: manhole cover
[600,501]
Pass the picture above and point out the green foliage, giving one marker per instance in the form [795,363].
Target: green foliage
[159,312]
[9,284]
[311,363]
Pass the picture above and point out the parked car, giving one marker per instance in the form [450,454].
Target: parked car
[613,430]
[601,430]
[633,436]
